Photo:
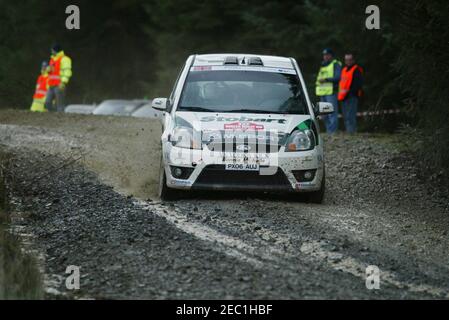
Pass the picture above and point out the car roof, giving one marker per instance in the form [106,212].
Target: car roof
[116,102]
[218,59]
[80,107]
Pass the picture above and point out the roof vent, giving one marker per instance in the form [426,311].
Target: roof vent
[255,61]
[231,60]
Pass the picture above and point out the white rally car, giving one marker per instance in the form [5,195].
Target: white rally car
[241,122]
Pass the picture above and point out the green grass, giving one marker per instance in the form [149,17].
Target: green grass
[19,274]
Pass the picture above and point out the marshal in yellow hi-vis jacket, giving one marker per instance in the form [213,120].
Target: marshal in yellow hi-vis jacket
[324,87]
[59,76]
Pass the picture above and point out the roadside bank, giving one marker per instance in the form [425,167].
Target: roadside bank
[19,273]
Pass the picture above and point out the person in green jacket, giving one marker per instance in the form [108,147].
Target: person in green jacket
[58,78]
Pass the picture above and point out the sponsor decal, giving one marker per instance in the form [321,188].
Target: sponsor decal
[243,147]
[243,126]
[251,158]
[302,185]
[241,119]
[305,125]
[176,182]
[237,136]
[202,68]
[244,68]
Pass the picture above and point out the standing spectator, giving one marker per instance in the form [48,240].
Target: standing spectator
[41,90]
[58,78]
[350,91]
[327,87]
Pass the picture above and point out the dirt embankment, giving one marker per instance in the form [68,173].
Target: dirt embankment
[125,152]
[379,210]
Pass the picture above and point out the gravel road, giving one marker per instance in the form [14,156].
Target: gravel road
[83,187]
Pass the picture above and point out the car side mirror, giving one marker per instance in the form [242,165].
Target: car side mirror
[159,104]
[325,108]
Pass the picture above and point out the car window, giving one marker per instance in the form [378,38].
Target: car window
[171,100]
[243,91]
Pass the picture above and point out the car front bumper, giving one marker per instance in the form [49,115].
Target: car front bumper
[206,170]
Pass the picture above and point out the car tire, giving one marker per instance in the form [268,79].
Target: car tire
[318,196]
[165,193]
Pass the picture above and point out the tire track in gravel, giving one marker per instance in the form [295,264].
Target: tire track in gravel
[261,253]
[232,246]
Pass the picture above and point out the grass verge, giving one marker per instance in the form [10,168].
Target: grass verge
[19,274]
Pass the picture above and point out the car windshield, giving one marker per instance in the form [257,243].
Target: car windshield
[243,91]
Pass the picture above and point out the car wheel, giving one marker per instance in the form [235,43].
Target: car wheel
[165,193]
[318,196]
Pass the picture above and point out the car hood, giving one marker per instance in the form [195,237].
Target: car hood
[208,121]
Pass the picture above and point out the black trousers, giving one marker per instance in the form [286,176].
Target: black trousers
[55,100]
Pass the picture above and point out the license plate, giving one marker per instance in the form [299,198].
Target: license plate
[242,166]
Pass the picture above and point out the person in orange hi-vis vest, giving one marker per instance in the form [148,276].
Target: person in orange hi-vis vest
[350,90]
[58,78]
[40,94]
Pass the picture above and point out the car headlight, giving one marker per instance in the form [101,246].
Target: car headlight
[183,137]
[300,140]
